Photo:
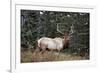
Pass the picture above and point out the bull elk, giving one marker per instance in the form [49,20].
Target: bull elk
[53,43]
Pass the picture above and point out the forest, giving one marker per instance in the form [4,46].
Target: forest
[36,24]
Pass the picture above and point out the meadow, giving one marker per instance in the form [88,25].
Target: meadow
[49,56]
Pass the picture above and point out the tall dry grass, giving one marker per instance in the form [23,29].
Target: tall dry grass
[36,56]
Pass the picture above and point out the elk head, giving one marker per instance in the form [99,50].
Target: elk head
[66,40]
[66,37]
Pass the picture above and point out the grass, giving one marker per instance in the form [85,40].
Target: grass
[28,56]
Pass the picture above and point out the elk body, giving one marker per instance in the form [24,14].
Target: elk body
[53,43]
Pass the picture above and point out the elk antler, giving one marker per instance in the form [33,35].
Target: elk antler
[71,30]
[59,30]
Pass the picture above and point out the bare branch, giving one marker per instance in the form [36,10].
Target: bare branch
[71,30]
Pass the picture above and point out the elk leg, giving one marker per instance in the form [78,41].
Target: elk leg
[43,50]
[58,53]
[37,49]
[43,47]
[51,51]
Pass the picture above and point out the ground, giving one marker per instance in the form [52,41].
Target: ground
[29,56]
